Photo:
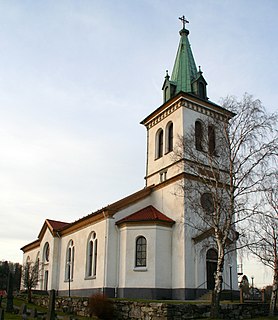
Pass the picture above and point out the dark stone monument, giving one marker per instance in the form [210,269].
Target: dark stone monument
[23,309]
[10,297]
[34,313]
[1,314]
[51,306]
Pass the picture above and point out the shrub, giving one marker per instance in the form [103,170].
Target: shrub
[101,306]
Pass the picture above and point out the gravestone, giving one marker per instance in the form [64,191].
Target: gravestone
[33,313]
[1,314]
[23,309]
[51,306]
[10,297]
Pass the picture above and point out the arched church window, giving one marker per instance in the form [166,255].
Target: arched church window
[46,251]
[169,137]
[141,252]
[211,140]
[91,270]
[159,144]
[207,202]
[69,261]
[198,135]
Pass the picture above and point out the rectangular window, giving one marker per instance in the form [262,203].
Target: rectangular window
[141,252]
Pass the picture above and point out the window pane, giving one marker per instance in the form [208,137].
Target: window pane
[160,144]
[141,252]
[170,137]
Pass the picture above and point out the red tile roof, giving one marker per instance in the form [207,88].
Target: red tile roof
[57,225]
[149,214]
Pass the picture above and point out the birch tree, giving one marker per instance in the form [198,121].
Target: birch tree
[30,277]
[263,239]
[225,160]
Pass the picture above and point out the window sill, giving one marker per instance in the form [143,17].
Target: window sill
[167,152]
[140,269]
[90,278]
[157,158]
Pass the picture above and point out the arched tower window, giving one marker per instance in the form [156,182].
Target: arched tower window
[91,266]
[211,140]
[198,135]
[159,144]
[69,261]
[141,252]
[169,137]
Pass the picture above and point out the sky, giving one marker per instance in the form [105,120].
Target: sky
[76,79]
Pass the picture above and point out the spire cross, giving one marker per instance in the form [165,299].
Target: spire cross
[184,21]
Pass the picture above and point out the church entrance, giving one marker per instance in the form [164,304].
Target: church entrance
[211,259]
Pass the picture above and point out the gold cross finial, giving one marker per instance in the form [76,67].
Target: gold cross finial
[184,21]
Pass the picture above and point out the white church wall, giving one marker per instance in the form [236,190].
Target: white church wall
[189,118]
[112,257]
[157,272]
[54,279]
[163,264]
[122,265]
[170,201]
[140,277]
[230,262]
[80,240]
[30,256]
[155,164]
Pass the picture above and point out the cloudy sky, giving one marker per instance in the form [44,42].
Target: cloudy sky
[77,77]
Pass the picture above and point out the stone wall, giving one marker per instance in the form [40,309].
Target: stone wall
[133,310]
[162,311]
[78,306]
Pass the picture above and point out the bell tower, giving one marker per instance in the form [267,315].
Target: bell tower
[169,121]
[185,106]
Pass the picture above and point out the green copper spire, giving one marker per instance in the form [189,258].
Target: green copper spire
[185,76]
[184,71]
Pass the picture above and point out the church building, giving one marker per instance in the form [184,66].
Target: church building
[141,246]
